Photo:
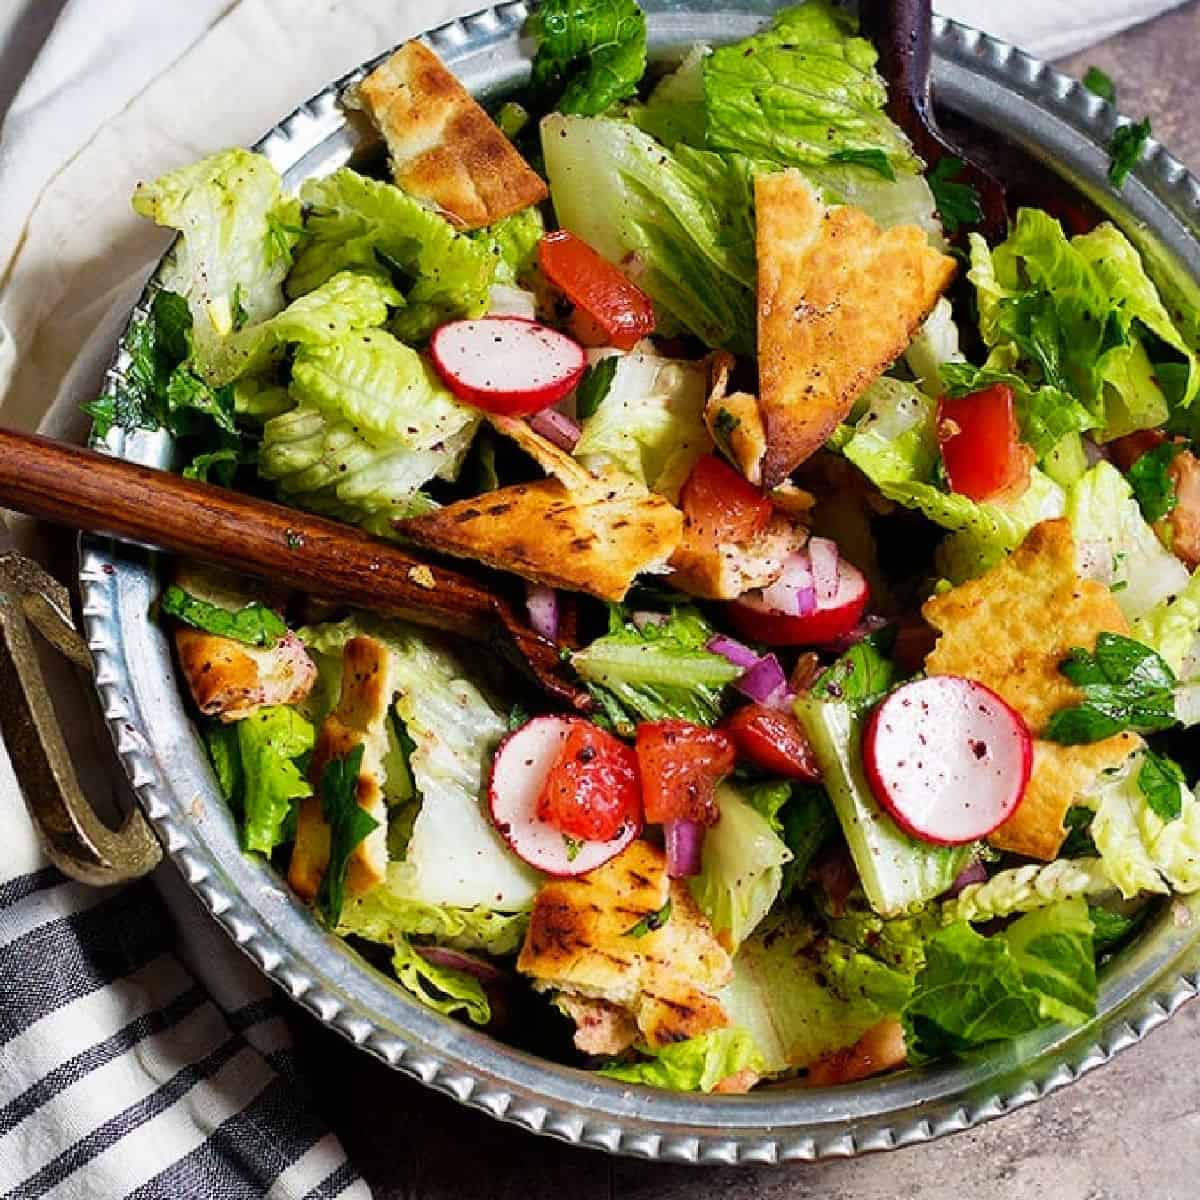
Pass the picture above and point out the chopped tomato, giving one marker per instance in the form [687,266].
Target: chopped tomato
[980,444]
[681,765]
[1127,450]
[1184,519]
[720,506]
[774,741]
[591,793]
[610,309]
[879,1049]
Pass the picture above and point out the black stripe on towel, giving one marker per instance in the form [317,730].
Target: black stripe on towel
[334,1184]
[25,885]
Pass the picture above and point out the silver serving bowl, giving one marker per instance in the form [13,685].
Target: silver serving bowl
[997,87]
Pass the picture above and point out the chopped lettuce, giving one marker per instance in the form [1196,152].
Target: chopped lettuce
[1172,625]
[741,870]
[590,53]
[454,856]
[898,873]
[1114,544]
[802,92]
[512,243]
[443,989]
[650,422]
[974,990]
[934,346]
[361,224]
[1022,889]
[674,110]
[695,1065]
[894,440]
[685,216]
[661,670]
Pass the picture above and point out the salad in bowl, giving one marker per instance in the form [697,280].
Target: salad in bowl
[870,544]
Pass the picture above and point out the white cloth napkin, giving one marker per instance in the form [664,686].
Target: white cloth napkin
[166,1084]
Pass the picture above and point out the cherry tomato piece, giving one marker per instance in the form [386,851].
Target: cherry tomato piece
[680,765]
[591,793]
[720,506]
[774,741]
[981,445]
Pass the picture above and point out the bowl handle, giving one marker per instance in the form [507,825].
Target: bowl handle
[74,837]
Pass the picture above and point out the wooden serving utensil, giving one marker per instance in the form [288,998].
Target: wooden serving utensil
[100,494]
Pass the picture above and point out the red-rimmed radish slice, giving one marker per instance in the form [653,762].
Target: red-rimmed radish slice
[508,365]
[824,557]
[756,618]
[947,758]
[519,772]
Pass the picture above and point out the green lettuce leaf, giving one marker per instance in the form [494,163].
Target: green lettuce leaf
[1172,625]
[253,624]
[696,1065]
[807,821]
[657,672]
[1022,889]
[512,244]
[1052,948]
[360,224]
[443,989]
[860,676]
[933,347]
[270,742]
[674,110]
[238,234]
[590,54]
[741,869]
[894,439]
[257,400]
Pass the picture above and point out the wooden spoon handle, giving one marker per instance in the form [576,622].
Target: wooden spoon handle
[100,494]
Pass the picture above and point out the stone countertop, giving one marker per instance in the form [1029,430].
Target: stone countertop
[1129,1131]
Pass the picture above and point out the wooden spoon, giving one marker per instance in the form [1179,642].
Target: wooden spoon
[94,492]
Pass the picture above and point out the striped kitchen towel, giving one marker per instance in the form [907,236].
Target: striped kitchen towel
[126,1071]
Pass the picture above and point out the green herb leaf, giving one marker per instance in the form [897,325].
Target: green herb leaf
[1151,481]
[518,715]
[1097,82]
[957,203]
[594,385]
[573,845]
[875,160]
[1125,150]
[1079,843]
[1159,779]
[808,821]
[348,826]
[650,922]
[511,119]
[255,625]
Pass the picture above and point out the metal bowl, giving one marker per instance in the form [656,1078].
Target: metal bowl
[996,86]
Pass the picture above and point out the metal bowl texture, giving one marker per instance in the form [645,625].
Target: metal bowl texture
[998,87]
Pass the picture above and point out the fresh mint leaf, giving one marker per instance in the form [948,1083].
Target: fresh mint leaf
[1125,149]
[1078,843]
[1100,84]
[1152,483]
[348,826]
[650,922]
[594,386]
[875,160]
[1158,779]
[254,625]
[861,675]
[957,203]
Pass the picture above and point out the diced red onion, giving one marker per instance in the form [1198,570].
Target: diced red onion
[1093,453]
[642,619]
[823,556]
[460,960]
[870,624]
[793,592]
[555,427]
[730,648]
[685,842]
[762,680]
[542,603]
[973,872]
[781,699]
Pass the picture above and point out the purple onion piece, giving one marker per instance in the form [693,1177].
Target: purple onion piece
[555,427]
[806,601]
[684,842]
[460,960]
[1093,452]
[762,680]
[824,557]
[973,872]
[781,699]
[792,593]
[542,604]
[728,648]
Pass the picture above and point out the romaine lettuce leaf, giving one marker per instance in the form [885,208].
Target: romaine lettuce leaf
[696,1065]
[934,346]
[512,244]
[894,440]
[1172,625]
[741,868]
[1022,889]
[674,110]
[238,234]
[1052,948]
[441,988]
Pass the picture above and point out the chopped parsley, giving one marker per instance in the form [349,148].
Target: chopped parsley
[1128,142]
[874,160]
[1100,84]
[1151,481]
[650,922]
[595,385]
[957,203]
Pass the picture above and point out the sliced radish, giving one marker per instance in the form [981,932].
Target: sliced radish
[824,556]
[508,365]
[947,758]
[519,772]
[812,622]
[793,592]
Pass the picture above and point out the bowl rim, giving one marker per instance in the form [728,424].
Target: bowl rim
[975,74]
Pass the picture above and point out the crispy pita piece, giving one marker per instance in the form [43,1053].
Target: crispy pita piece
[1009,629]
[579,944]
[838,300]
[443,146]
[734,420]
[360,719]
[600,1026]
[555,461]
[723,571]
[592,542]
[230,680]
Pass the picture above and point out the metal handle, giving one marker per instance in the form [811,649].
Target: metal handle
[74,837]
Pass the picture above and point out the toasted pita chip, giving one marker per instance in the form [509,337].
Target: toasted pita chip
[360,719]
[734,421]
[555,461]
[591,542]
[579,944]
[444,148]
[838,300]
[724,571]
[1010,629]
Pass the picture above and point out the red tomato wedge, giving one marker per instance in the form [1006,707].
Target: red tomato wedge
[774,741]
[526,765]
[591,792]
[507,365]
[981,445]
[810,620]
[720,505]
[611,310]
[680,766]
[947,758]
